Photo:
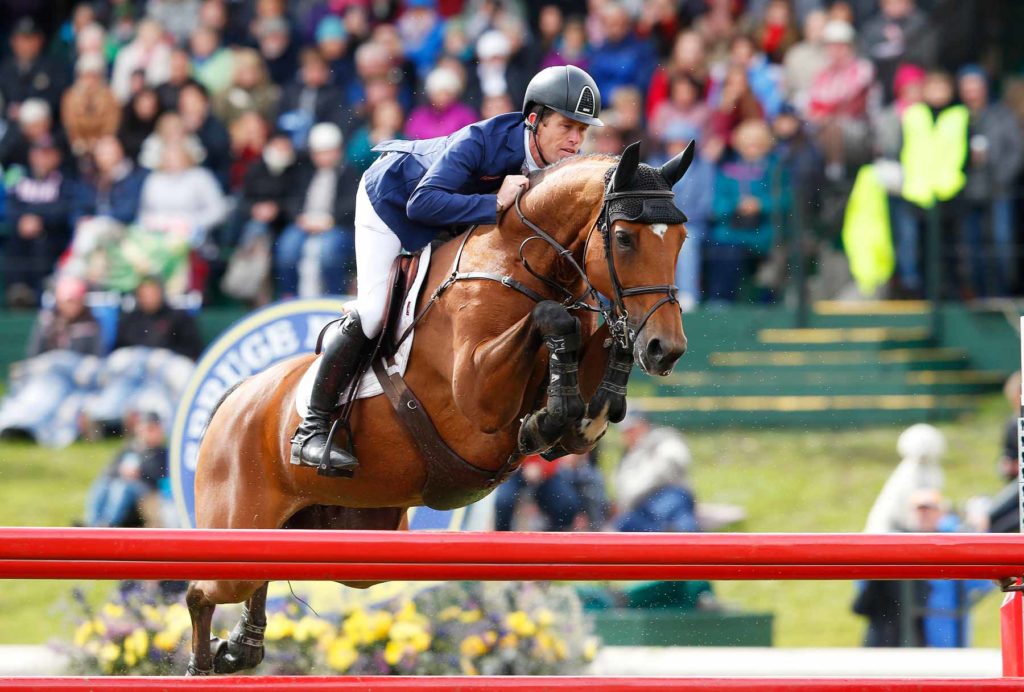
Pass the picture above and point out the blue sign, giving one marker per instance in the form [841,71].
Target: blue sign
[264,338]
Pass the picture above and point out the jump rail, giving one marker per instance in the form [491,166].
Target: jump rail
[59,553]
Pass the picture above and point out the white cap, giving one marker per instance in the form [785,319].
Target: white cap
[838,31]
[324,136]
[493,44]
[32,111]
[443,79]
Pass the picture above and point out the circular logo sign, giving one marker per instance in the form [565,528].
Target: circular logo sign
[263,339]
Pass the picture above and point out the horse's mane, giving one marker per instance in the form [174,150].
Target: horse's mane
[536,177]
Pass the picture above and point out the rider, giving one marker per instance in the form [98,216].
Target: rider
[416,190]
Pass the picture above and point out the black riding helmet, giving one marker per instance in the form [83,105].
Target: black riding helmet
[567,90]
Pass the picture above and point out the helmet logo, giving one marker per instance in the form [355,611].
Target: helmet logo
[586,103]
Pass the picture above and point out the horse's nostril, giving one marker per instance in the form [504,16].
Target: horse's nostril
[654,350]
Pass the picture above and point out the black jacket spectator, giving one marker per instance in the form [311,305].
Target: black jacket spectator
[155,324]
[344,196]
[138,121]
[69,325]
[28,73]
[262,185]
[194,106]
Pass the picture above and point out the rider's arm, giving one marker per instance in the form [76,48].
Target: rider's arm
[435,201]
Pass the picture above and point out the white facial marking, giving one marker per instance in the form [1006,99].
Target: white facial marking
[659,229]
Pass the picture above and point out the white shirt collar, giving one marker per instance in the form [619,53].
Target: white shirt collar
[531,164]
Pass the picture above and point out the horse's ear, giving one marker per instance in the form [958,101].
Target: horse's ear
[628,163]
[674,170]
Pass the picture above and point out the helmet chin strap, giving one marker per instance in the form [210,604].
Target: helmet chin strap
[533,127]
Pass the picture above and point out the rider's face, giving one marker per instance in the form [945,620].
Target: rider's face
[559,137]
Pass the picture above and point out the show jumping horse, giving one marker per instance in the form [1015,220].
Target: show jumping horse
[509,359]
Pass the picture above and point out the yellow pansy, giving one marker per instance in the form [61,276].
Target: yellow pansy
[561,651]
[449,613]
[309,628]
[544,617]
[278,627]
[509,641]
[470,616]
[176,617]
[99,627]
[356,624]
[82,633]
[490,637]
[112,610]
[151,613]
[544,641]
[380,624]
[590,649]
[421,641]
[404,631]
[166,640]
[408,613]
[467,667]
[393,652]
[473,646]
[520,623]
[109,652]
[341,654]
[130,659]
[136,643]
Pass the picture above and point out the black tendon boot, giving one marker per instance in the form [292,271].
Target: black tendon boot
[343,350]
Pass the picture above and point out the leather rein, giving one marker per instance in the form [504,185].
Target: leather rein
[616,315]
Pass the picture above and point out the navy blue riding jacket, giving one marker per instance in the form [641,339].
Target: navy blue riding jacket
[421,188]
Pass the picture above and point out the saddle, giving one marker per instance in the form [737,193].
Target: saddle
[451,481]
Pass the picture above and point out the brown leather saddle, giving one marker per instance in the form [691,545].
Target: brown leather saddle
[451,480]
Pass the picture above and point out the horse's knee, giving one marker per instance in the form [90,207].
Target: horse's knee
[552,318]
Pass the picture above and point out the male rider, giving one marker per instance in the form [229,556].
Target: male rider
[418,189]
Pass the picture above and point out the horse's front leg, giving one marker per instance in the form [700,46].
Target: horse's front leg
[560,332]
[604,374]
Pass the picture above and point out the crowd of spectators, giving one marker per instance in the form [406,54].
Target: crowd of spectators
[218,143]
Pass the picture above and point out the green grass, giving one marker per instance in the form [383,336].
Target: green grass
[44,487]
[788,481]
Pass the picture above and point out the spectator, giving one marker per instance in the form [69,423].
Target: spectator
[572,47]
[588,483]
[495,105]
[443,114]
[38,207]
[750,191]
[776,34]
[838,102]
[386,123]
[248,137]
[322,205]
[28,73]
[901,33]
[550,487]
[550,25]
[622,59]
[35,125]
[135,472]
[802,165]
[996,152]
[685,107]
[888,124]
[212,63]
[625,112]
[194,107]
[154,324]
[1003,512]
[149,52]
[736,105]
[180,198]
[921,447]
[89,109]
[763,77]
[115,187]
[333,44]
[279,53]
[170,130]
[251,90]
[496,73]
[179,18]
[180,75]
[804,61]
[91,39]
[652,485]
[138,121]
[422,33]
[718,27]
[934,155]
[69,324]
[688,57]
[310,99]
[659,23]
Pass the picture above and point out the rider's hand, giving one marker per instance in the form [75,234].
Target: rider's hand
[510,187]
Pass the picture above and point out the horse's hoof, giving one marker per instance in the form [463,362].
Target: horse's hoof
[232,656]
[192,670]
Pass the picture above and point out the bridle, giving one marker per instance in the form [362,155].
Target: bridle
[615,314]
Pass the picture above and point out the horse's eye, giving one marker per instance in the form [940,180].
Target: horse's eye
[624,239]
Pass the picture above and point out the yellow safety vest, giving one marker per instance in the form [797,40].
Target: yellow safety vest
[867,236]
[934,153]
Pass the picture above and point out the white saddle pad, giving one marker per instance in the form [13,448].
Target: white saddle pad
[368,385]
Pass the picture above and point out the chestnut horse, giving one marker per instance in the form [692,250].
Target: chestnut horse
[480,361]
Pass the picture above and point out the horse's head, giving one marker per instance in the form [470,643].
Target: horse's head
[633,260]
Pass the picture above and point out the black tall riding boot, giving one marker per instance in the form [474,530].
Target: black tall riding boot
[343,350]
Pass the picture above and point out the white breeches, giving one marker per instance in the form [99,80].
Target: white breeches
[377,246]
